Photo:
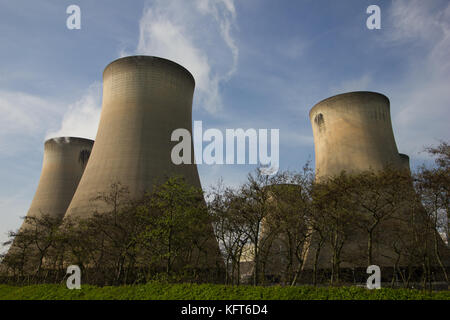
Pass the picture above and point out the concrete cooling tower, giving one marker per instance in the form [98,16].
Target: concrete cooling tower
[65,159]
[64,162]
[144,100]
[353,132]
[404,160]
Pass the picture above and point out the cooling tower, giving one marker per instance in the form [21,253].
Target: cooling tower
[353,132]
[144,100]
[64,161]
[404,160]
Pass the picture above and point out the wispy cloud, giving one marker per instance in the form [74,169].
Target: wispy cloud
[195,34]
[82,117]
[423,108]
[198,35]
[22,117]
[12,209]
[17,111]
[415,20]
[23,121]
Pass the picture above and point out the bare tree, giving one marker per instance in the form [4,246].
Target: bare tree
[254,208]
[433,186]
[336,209]
[289,222]
[380,197]
[224,204]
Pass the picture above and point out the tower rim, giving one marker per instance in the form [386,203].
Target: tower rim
[351,93]
[66,138]
[134,57]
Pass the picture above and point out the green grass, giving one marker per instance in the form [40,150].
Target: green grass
[163,291]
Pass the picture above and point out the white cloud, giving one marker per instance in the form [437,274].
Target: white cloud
[224,12]
[23,121]
[12,209]
[23,116]
[417,20]
[196,34]
[82,117]
[21,112]
[422,110]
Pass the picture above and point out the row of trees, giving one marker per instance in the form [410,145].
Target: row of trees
[166,233]
[291,227]
[286,228]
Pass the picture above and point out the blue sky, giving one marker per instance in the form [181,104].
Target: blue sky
[257,63]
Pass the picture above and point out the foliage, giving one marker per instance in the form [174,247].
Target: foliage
[164,291]
[267,229]
[123,241]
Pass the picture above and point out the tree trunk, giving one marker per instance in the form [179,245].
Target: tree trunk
[316,261]
[256,262]
[369,248]
[438,256]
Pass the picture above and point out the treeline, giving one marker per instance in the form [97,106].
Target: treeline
[290,228]
[163,235]
[286,228]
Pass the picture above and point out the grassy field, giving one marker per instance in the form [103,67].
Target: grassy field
[162,291]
